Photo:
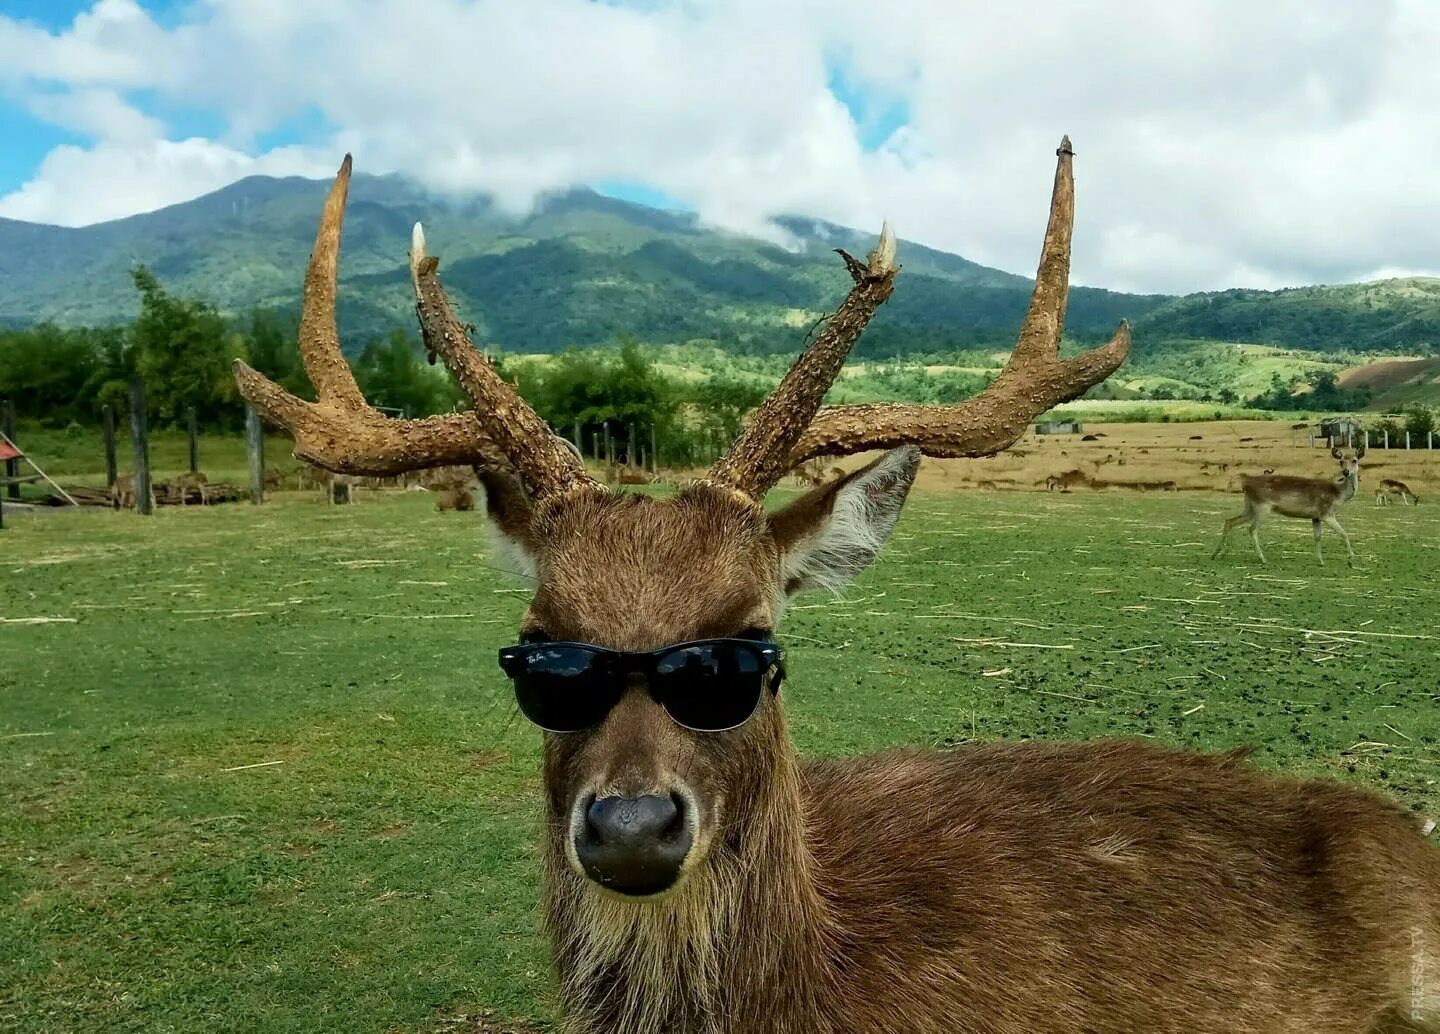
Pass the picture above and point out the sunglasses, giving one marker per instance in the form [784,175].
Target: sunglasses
[710,685]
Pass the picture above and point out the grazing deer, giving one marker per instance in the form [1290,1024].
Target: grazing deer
[1314,498]
[700,878]
[123,493]
[195,481]
[1066,480]
[1390,488]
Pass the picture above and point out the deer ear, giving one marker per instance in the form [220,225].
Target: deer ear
[832,533]
[508,507]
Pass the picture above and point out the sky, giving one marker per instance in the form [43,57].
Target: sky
[1225,143]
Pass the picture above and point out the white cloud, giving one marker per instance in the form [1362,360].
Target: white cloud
[112,180]
[1219,143]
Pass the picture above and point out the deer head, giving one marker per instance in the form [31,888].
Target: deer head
[660,751]
[1349,466]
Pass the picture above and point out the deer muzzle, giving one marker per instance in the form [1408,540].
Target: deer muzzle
[633,845]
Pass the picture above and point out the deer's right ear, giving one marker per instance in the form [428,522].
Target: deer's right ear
[832,533]
[508,507]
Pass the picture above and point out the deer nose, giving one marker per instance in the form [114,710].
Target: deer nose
[634,845]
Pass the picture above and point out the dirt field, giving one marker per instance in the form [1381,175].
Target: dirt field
[1143,457]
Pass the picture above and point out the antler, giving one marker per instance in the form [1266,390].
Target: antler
[343,433]
[762,454]
[1034,380]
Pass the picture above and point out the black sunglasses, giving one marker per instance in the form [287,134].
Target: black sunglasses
[710,685]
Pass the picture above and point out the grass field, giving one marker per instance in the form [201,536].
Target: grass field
[260,772]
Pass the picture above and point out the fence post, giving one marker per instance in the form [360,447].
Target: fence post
[1366,440]
[1407,441]
[631,450]
[1429,439]
[140,443]
[595,446]
[255,453]
[194,442]
[1387,437]
[12,467]
[654,451]
[579,442]
[107,427]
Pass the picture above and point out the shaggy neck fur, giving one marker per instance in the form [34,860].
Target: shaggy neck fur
[750,919]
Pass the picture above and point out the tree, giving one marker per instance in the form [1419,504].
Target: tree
[183,351]
[1419,421]
[392,374]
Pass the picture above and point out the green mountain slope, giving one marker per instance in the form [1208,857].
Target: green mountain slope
[583,269]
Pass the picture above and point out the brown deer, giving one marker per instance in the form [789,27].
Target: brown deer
[1392,489]
[194,481]
[1315,499]
[700,878]
[123,493]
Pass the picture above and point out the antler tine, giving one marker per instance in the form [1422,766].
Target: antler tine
[1034,379]
[340,432]
[325,365]
[540,457]
[761,455]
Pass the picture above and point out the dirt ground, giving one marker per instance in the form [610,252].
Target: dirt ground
[1194,456]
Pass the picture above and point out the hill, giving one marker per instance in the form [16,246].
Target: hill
[1397,383]
[584,269]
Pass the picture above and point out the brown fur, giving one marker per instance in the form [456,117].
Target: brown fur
[1103,887]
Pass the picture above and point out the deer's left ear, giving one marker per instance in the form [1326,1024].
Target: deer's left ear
[832,533]
[509,510]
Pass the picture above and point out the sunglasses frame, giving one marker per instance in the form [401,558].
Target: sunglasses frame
[623,663]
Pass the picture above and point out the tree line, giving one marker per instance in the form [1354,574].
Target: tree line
[183,348]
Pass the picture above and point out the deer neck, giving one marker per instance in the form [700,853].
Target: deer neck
[1347,488]
[750,918]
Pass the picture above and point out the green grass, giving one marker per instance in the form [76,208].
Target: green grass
[383,874]
[77,454]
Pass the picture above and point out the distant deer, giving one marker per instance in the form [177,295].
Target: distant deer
[1390,488]
[700,878]
[1066,480]
[123,493]
[194,481]
[1315,499]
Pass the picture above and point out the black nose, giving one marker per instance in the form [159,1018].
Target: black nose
[634,845]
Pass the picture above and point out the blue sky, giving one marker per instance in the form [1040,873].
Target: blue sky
[1221,142]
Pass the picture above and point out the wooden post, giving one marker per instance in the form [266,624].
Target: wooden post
[609,446]
[654,451]
[255,452]
[577,439]
[1387,437]
[194,439]
[1407,441]
[1366,439]
[140,443]
[595,446]
[107,427]
[1429,439]
[631,451]
[12,467]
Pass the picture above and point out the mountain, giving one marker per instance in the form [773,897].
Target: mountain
[584,269]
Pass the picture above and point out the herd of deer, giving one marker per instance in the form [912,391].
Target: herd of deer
[701,878]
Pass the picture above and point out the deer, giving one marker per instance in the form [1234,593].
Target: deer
[1392,489]
[1314,498]
[124,495]
[194,481]
[698,876]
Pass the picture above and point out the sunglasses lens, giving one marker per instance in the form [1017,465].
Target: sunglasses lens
[710,687]
[562,688]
